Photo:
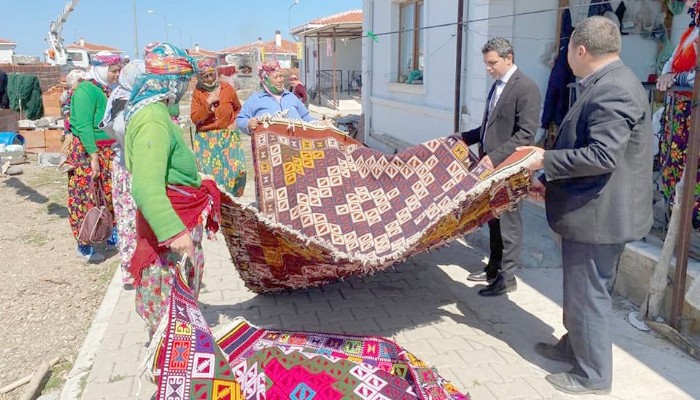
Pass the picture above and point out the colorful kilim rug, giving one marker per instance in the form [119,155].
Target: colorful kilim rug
[306,365]
[186,362]
[301,129]
[332,208]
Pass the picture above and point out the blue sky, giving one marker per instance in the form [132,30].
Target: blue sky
[218,25]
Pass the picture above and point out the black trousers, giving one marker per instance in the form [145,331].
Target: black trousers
[505,242]
[588,270]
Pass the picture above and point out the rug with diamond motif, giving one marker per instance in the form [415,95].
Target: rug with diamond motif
[310,365]
[331,208]
[183,359]
[246,362]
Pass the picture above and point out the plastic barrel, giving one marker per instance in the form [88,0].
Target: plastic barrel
[8,138]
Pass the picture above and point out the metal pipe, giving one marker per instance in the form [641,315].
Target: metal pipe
[318,68]
[458,68]
[306,63]
[367,72]
[687,205]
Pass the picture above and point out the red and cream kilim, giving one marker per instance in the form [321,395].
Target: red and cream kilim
[331,208]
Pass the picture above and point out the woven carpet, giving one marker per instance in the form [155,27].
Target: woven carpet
[246,362]
[184,360]
[308,365]
[331,208]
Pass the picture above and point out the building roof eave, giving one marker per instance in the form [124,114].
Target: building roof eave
[334,30]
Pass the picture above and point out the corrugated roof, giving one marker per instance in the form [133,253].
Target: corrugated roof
[93,47]
[5,41]
[286,48]
[347,17]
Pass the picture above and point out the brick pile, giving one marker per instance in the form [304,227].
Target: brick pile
[42,140]
[52,101]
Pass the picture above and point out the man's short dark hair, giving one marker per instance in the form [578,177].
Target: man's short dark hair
[500,45]
[599,35]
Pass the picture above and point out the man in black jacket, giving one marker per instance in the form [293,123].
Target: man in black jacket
[597,182]
[510,120]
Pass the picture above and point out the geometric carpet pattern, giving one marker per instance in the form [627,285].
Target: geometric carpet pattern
[310,365]
[187,362]
[331,208]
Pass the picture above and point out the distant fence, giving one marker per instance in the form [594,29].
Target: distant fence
[354,84]
[329,80]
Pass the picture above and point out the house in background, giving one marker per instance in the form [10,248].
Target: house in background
[412,91]
[7,50]
[199,53]
[331,56]
[90,48]
[250,54]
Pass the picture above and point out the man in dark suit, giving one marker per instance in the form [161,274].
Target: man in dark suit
[597,184]
[510,120]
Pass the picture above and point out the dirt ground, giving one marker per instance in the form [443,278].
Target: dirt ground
[49,297]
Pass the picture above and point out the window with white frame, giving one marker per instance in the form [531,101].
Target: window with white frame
[411,42]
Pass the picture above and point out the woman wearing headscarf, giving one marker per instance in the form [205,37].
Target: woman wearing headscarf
[217,142]
[175,205]
[124,207]
[73,78]
[90,150]
[679,70]
[298,89]
[272,98]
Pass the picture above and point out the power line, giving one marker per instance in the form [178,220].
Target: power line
[375,35]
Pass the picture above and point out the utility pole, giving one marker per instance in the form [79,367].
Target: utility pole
[289,22]
[136,31]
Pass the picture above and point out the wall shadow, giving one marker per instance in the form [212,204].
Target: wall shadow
[30,194]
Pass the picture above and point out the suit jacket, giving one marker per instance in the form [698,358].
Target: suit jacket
[513,121]
[599,173]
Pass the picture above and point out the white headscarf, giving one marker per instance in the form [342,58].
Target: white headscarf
[100,67]
[99,74]
[130,73]
[113,121]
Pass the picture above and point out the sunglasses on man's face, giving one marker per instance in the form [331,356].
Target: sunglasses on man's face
[209,75]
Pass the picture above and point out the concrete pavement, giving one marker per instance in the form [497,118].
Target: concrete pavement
[483,345]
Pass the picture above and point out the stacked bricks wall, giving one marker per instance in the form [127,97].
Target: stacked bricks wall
[8,120]
[49,75]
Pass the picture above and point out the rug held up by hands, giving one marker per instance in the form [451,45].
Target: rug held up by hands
[330,208]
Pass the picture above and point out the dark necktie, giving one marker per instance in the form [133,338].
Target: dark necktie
[493,98]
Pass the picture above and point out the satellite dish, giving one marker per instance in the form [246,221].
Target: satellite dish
[230,59]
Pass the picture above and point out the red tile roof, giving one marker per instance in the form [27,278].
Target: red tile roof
[347,17]
[93,47]
[200,53]
[5,41]
[286,48]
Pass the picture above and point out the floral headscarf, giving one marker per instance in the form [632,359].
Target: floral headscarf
[74,77]
[149,48]
[206,65]
[203,66]
[168,72]
[100,66]
[264,72]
